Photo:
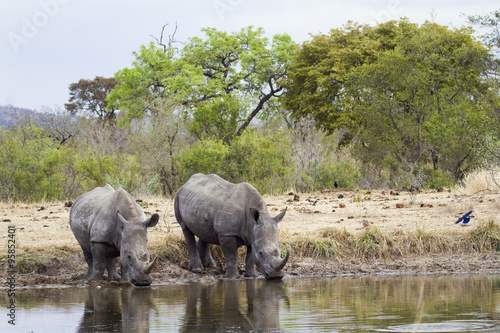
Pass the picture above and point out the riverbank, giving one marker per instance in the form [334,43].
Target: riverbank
[336,232]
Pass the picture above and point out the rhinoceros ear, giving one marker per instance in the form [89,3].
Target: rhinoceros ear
[254,214]
[152,221]
[279,217]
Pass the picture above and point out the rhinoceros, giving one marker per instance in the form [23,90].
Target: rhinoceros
[108,224]
[230,215]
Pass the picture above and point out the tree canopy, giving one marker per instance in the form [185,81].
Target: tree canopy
[222,81]
[88,97]
[414,94]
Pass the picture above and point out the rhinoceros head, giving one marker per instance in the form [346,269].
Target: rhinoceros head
[134,253]
[265,249]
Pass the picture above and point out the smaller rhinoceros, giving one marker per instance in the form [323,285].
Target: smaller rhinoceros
[230,215]
[108,224]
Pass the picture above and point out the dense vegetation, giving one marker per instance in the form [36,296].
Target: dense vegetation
[391,105]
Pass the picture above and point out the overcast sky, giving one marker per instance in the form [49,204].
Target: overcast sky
[47,44]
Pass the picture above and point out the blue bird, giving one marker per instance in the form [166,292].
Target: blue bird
[465,218]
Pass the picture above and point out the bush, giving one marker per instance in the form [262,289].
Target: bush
[256,158]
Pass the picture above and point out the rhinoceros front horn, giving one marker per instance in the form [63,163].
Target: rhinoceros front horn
[283,262]
[150,266]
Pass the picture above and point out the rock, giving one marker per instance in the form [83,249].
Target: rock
[400,205]
[68,204]
[341,205]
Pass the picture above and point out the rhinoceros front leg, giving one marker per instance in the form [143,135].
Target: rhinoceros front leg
[229,247]
[111,268]
[124,275]
[250,264]
[98,261]
[206,257]
[194,258]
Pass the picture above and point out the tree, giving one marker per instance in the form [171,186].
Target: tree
[88,98]
[423,102]
[316,80]
[409,94]
[222,79]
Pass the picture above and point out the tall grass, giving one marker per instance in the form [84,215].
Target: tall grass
[479,181]
[485,237]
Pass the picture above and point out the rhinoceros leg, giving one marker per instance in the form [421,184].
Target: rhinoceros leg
[206,257]
[111,267]
[230,251]
[88,259]
[124,276]
[250,264]
[98,261]
[194,259]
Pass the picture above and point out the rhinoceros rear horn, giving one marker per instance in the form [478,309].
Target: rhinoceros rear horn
[150,266]
[279,217]
[283,262]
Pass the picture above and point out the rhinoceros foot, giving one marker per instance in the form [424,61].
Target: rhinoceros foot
[195,268]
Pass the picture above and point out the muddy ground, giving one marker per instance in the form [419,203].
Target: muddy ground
[48,254]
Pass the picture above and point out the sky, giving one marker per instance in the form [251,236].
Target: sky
[45,45]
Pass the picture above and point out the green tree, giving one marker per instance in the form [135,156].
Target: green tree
[88,98]
[316,80]
[406,93]
[224,79]
[423,101]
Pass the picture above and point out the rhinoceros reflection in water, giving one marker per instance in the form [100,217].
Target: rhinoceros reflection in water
[223,306]
[111,309]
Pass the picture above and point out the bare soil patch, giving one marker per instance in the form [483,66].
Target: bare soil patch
[48,254]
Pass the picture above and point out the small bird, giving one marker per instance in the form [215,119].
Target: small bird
[465,218]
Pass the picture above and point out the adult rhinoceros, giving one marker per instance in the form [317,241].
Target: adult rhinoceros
[231,215]
[108,224]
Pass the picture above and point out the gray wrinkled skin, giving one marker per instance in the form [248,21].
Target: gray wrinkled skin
[230,215]
[108,224]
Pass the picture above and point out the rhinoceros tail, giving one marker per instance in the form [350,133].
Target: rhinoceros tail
[177,209]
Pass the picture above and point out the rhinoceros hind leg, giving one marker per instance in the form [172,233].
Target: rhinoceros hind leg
[194,265]
[88,259]
[111,267]
[206,257]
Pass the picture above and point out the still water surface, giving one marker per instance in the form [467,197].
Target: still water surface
[445,303]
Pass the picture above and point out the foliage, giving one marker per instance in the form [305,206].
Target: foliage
[223,81]
[88,97]
[31,166]
[262,160]
[409,94]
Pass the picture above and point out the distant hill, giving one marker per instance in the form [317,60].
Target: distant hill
[9,114]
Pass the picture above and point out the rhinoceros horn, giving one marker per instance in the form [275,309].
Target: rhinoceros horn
[283,262]
[149,267]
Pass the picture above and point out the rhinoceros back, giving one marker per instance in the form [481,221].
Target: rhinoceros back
[93,215]
[209,205]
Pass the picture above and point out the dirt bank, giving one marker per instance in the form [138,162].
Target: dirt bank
[47,252]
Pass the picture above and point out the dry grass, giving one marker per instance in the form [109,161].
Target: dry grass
[316,226]
[481,180]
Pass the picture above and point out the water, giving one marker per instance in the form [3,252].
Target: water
[447,303]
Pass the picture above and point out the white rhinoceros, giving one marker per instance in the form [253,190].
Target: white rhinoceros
[230,215]
[108,224]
